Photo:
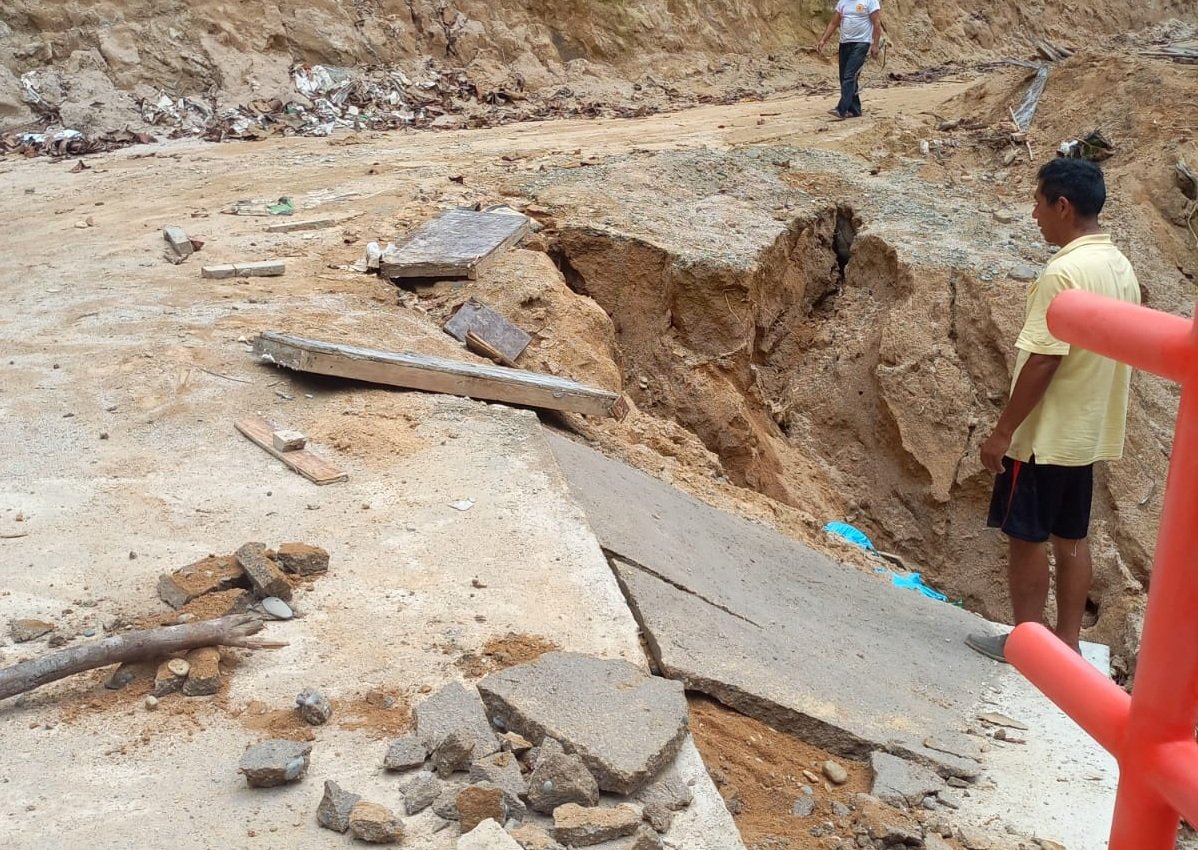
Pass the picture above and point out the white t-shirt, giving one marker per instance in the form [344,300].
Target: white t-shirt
[855,26]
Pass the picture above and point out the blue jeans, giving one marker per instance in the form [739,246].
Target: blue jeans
[852,61]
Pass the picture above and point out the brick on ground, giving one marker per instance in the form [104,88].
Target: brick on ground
[212,574]
[264,574]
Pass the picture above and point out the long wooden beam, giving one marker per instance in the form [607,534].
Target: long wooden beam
[437,375]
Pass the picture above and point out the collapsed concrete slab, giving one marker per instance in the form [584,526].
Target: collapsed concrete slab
[776,630]
[626,726]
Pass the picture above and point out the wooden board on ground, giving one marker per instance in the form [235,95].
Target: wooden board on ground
[313,467]
[438,375]
[495,331]
[455,244]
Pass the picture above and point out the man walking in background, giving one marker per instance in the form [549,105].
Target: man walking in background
[860,23]
[1067,411]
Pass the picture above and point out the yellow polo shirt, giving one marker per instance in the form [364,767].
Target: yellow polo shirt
[1083,415]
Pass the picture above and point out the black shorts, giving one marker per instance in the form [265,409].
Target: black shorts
[1034,501]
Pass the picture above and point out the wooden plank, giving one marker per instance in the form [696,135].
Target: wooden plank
[455,244]
[436,374]
[263,268]
[313,467]
[481,347]
[497,332]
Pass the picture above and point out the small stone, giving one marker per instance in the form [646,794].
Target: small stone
[151,703]
[929,803]
[804,807]
[1024,273]
[658,817]
[810,777]
[454,753]
[264,574]
[882,823]
[669,790]
[203,679]
[375,824]
[561,779]
[488,835]
[584,827]
[932,841]
[957,782]
[178,667]
[23,631]
[167,681]
[89,632]
[836,774]
[478,803]
[972,839]
[514,743]
[1004,216]
[335,807]
[420,792]
[274,763]
[277,608]
[532,837]
[405,753]
[313,707]
[840,810]
[122,677]
[1049,844]
[949,800]
[302,559]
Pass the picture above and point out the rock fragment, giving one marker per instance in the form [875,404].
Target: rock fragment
[206,576]
[405,753]
[265,577]
[577,826]
[277,762]
[532,837]
[477,803]
[313,707]
[335,807]
[203,675]
[503,771]
[456,708]
[560,779]
[488,835]
[836,774]
[375,824]
[900,782]
[453,754]
[23,631]
[420,792]
[302,559]
[170,677]
[585,703]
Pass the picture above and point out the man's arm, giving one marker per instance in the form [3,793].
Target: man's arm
[876,19]
[832,26]
[1033,382]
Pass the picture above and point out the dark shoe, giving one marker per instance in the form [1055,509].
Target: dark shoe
[991,646]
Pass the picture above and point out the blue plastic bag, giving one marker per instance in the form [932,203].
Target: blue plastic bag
[914,581]
[847,532]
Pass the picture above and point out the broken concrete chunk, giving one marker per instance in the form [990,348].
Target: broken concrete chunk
[275,763]
[900,782]
[995,718]
[263,268]
[583,827]
[420,792]
[532,837]
[302,559]
[804,807]
[335,807]
[405,753]
[561,779]
[669,790]
[264,574]
[643,839]
[454,753]
[456,707]
[586,702]
[375,824]
[178,240]
[488,835]
[659,817]
[503,771]
[207,576]
[288,441]
[313,707]
[203,679]
[478,803]
[548,747]
[446,804]
[23,631]
[168,680]
[882,823]
[514,743]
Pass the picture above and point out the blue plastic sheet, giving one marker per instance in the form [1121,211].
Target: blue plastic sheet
[851,534]
[914,581]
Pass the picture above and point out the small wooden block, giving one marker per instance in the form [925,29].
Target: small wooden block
[313,467]
[289,441]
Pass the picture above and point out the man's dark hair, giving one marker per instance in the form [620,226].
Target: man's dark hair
[1079,180]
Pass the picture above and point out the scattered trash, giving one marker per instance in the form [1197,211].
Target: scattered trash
[1093,146]
[914,581]
[283,206]
[847,532]
[462,504]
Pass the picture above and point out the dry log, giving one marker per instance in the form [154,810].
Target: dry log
[132,646]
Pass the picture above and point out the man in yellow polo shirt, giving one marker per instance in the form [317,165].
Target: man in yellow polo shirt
[1067,411]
